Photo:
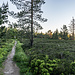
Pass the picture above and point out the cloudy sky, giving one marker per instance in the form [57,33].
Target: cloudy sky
[58,13]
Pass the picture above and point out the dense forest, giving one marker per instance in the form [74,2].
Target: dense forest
[50,53]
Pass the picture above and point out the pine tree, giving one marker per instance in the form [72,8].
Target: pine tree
[3,13]
[64,32]
[72,28]
[30,14]
[1,21]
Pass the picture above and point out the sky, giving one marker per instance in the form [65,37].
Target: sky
[58,13]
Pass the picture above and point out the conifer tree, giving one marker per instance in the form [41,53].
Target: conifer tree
[72,28]
[30,14]
[3,13]
[1,16]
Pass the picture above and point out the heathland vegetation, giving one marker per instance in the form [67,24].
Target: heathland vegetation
[50,53]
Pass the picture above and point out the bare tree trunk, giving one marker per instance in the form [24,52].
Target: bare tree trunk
[73,29]
[31,40]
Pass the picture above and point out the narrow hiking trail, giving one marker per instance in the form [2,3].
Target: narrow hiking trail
[10,67]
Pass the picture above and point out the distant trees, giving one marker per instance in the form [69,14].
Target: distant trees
[50,33]
[8,33]
[64,32]
[11,33]
[72,28]
[62,35]
[55,34]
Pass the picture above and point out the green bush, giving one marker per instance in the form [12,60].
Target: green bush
[73,68]
[21,59]
[43,67]
[5,48]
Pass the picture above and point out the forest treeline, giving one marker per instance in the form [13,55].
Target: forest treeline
[8,33]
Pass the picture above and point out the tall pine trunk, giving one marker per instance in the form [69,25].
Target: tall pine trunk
[31,40]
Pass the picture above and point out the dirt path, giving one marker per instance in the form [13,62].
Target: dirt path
[10,66]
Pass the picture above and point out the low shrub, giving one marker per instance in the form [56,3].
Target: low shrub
[5,48]
[21,59]
[43,67]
